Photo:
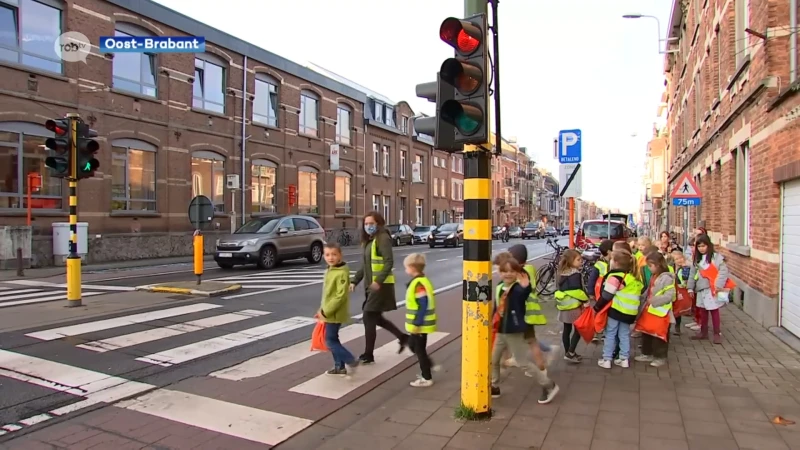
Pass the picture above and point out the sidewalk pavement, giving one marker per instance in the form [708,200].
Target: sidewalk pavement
[709,397]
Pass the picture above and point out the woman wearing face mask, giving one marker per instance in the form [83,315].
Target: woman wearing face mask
[376,271]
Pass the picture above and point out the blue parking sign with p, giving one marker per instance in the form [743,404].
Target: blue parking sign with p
[569,146]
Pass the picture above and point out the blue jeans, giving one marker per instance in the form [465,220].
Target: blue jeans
[341,355]
[544,347]
[617,331]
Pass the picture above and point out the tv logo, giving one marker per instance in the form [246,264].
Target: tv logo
[73,46]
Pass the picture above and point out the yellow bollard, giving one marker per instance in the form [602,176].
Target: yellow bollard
[198,255]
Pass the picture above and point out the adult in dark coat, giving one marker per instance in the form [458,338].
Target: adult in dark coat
[379,294]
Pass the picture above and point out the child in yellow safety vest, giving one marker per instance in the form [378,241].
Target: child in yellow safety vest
[420,316]
[623,290]
[598,273]
[660,296]
[571,298]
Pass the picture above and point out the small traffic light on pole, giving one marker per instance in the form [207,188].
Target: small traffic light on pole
[468,72]
[61,145]
[443,133]
[86,147]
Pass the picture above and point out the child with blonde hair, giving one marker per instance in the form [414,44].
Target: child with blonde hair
[420,315]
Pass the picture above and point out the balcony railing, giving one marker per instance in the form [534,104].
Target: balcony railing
[522,174]
[509,182]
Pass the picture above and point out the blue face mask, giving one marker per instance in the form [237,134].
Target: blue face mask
[370,229]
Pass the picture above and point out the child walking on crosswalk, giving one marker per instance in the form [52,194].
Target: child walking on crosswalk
[420,316]
[335,308]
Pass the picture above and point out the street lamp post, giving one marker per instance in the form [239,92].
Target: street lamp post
[658,27]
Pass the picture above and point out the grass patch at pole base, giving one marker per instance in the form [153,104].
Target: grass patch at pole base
[468,413]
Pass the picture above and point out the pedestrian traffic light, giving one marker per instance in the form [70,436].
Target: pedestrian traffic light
[443,133]
[60,145]
[468,72]
[86,147]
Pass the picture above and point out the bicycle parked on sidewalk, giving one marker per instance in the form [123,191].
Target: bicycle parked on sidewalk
[344,239]
[548,275]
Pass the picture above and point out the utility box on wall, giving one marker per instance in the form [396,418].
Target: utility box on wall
[61,241]
[13,239]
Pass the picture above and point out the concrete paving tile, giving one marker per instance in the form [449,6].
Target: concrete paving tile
[580,408]
[409,417]
[665,417]
[792,437]
[704,415]
[750,441]
[744,414]
[384,428]
[514,437]
[618,419]
[625,434]
[712,443]
[419,404]
[663,444]
[472,441]
[583,422]
[648,431]
[492,426]
[608,444]
[419,441]
[715,429]
[539,424]
[357,440]
[537,410]
[697,403]
[729,401]
[311,437]
[660,405]
[760,426]
[560,435]
[440,427]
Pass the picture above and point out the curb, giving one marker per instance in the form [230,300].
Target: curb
[187,291]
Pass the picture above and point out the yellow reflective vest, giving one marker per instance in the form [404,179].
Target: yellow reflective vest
[663,310]
[571,299]
[533,310]
[429,324]
[376,263]
[628,299]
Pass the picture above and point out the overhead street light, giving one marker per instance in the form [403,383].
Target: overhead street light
[658,25]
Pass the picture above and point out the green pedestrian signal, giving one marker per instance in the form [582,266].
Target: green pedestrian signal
[86,147]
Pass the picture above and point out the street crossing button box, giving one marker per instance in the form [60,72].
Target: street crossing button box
[61,235]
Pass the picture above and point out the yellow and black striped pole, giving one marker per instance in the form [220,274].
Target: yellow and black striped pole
[477,287]
[74,259]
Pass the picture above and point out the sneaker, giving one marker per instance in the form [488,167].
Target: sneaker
[657,363]
[694,327]
[717,339]
[699,337]
[364,359]
[495,392]
[604,363]
[421,382]
[690,324]
[436,368]
[572,358]
[622,363]
[510,362]
[353,366]
[643,358]
[676,332]
[337,371]
[548,395]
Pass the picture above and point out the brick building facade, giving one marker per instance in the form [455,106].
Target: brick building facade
[173,126]
[732,104]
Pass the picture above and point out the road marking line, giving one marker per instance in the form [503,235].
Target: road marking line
[11,295]
[246,294]
[103,288]
[32,283]
[35,419]
[107,324]
[196,350]
[50,298]
[155,334]
[440,260]
[334,388]
[244,422]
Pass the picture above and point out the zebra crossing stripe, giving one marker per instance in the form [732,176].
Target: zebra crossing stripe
[200,349]
[47,298]
[155,334]
[116,322]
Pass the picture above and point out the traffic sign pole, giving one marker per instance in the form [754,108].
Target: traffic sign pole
[73,259]
[686,193]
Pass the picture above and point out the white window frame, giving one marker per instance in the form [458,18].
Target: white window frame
[376,202]
[743,194]
[435,187]
[386,208]
[271,86]
[386,159]
[741,21]
[376,158]
[403,163]
[419,207]
[307,98]
[343,135]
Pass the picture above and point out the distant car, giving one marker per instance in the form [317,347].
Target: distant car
[514,232]
[496,232]
[530,231]
[592,232]
[268,240]
[565,232]
[401,234]
[421,233]
[449,234]
[550,232]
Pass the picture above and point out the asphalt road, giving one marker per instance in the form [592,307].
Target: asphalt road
[258,305]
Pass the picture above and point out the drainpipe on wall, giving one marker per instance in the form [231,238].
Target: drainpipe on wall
[792,41]
[244,139]
[365,166]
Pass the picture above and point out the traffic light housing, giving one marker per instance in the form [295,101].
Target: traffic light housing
[86,147]
[468,73]
[443,133]
[60,145]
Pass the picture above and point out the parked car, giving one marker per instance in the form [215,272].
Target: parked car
[565,232]
[449,234]
[592,232]
[266,241]
[550,232]
[530,231]
[514,232]
[496,232]
[421,233]
[401,234]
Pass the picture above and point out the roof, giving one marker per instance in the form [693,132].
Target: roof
[348,82]
[192,27]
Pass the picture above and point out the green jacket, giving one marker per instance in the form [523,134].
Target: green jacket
[335,304]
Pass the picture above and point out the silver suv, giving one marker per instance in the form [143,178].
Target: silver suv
[266,241]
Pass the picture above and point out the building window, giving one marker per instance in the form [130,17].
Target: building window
[389,116]
[720,62]
[343,115]
[265,103]
[460,165]
[403,164]
[264,175]
[307,190]
[453,190]
[22,152]
[443,187]
[24,19]
[418,159]
[386,160]
[418,207]
[402,201]
[376,202]
[379,112]
[134,72]
[386,200]
[435,187]
[404,128]
[208,177]
[309,113]
[376,158]
[743,194]
[133,175]
[698,101]
[342,193]
[742,22]
[209,84]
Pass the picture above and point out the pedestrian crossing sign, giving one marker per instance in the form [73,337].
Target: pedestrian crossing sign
[686,188]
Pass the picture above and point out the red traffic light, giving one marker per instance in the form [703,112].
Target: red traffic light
[55,127]
[461,35]
[465,77]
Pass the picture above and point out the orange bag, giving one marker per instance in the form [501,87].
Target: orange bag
[601,319]
[682,306]
[652,325]
[318,338]
[585,324]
